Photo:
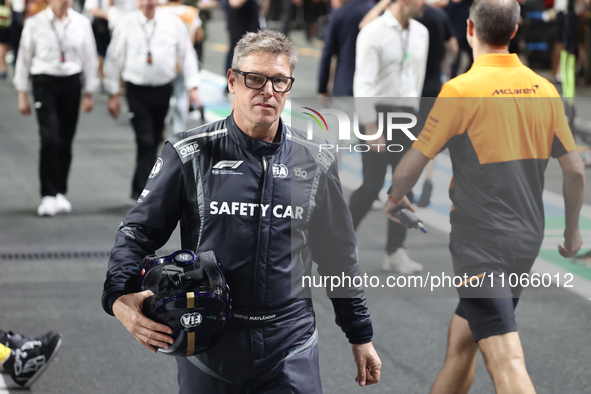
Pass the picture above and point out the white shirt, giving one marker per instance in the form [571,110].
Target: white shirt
[168,43]
[40,49]
[382,69]
[118,10]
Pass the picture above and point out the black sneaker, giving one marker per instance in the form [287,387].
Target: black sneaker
[425,199]
[13,340]
[28,361]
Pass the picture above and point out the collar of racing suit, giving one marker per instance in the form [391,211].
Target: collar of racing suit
[254,146]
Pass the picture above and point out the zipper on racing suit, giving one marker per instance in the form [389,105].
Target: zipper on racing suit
[256,259]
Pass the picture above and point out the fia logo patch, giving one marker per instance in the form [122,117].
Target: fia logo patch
[280,171]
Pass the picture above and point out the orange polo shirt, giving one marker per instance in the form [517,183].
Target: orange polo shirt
[501,123]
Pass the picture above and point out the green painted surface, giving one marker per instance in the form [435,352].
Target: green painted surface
[551,255]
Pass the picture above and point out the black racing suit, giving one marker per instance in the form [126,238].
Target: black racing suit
[267,210]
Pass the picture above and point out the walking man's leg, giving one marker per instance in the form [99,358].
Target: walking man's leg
[504,359]
[374,171]
[457,373]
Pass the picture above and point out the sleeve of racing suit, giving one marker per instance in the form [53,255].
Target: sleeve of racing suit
[147,227]
[334,249]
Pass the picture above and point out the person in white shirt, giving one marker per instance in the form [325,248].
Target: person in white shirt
[178,115]
[16,27]
[391,59]
[145,49]
[57,45]
[5,21]
[99,12]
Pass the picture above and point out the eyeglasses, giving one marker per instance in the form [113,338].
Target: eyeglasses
[258,81]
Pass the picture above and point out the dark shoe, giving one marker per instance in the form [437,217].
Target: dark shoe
[14,341]
[28,361]
[3,75]
[202,113]
[584,257]
[425,199]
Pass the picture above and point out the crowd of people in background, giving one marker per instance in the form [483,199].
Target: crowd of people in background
[444,53]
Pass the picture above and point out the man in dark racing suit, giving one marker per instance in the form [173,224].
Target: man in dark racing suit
[268,202]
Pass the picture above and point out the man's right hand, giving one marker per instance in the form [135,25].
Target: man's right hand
[128,310]
[114,106]
[572,243]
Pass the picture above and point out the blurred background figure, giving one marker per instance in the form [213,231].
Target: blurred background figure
[146,47]
[315,18]
[5,22]
[458,11]
[242,16]
[443,51]
[179,111]
[568,24]
[205,8]
[391,59]
[16,27]
[288,13]
[99,12]
[340,41]
[57,45]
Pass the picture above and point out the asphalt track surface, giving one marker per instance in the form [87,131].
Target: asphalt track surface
[52,271]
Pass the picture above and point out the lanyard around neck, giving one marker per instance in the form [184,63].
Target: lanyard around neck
[60,40]
[148,39]
[404,42]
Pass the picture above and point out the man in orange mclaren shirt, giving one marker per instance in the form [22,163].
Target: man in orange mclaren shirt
[501,123]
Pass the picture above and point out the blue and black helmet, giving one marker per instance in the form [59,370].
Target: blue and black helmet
[191,297]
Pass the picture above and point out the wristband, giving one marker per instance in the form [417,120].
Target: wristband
[390,198]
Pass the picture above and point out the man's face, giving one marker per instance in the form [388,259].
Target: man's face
[416,8]
[262,107]
[147,7]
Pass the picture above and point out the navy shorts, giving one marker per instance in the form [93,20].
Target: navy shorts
[488,302]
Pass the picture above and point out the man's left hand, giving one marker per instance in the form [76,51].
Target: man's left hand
[368,363]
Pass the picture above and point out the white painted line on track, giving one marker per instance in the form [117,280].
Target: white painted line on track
[4,388]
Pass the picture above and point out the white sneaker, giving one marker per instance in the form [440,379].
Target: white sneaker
[400,262]
[48,206]
[377,205]
[62,204]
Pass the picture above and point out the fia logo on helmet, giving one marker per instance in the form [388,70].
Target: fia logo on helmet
[190,320]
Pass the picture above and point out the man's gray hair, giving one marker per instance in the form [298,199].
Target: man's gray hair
[495,20]
[267,41]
